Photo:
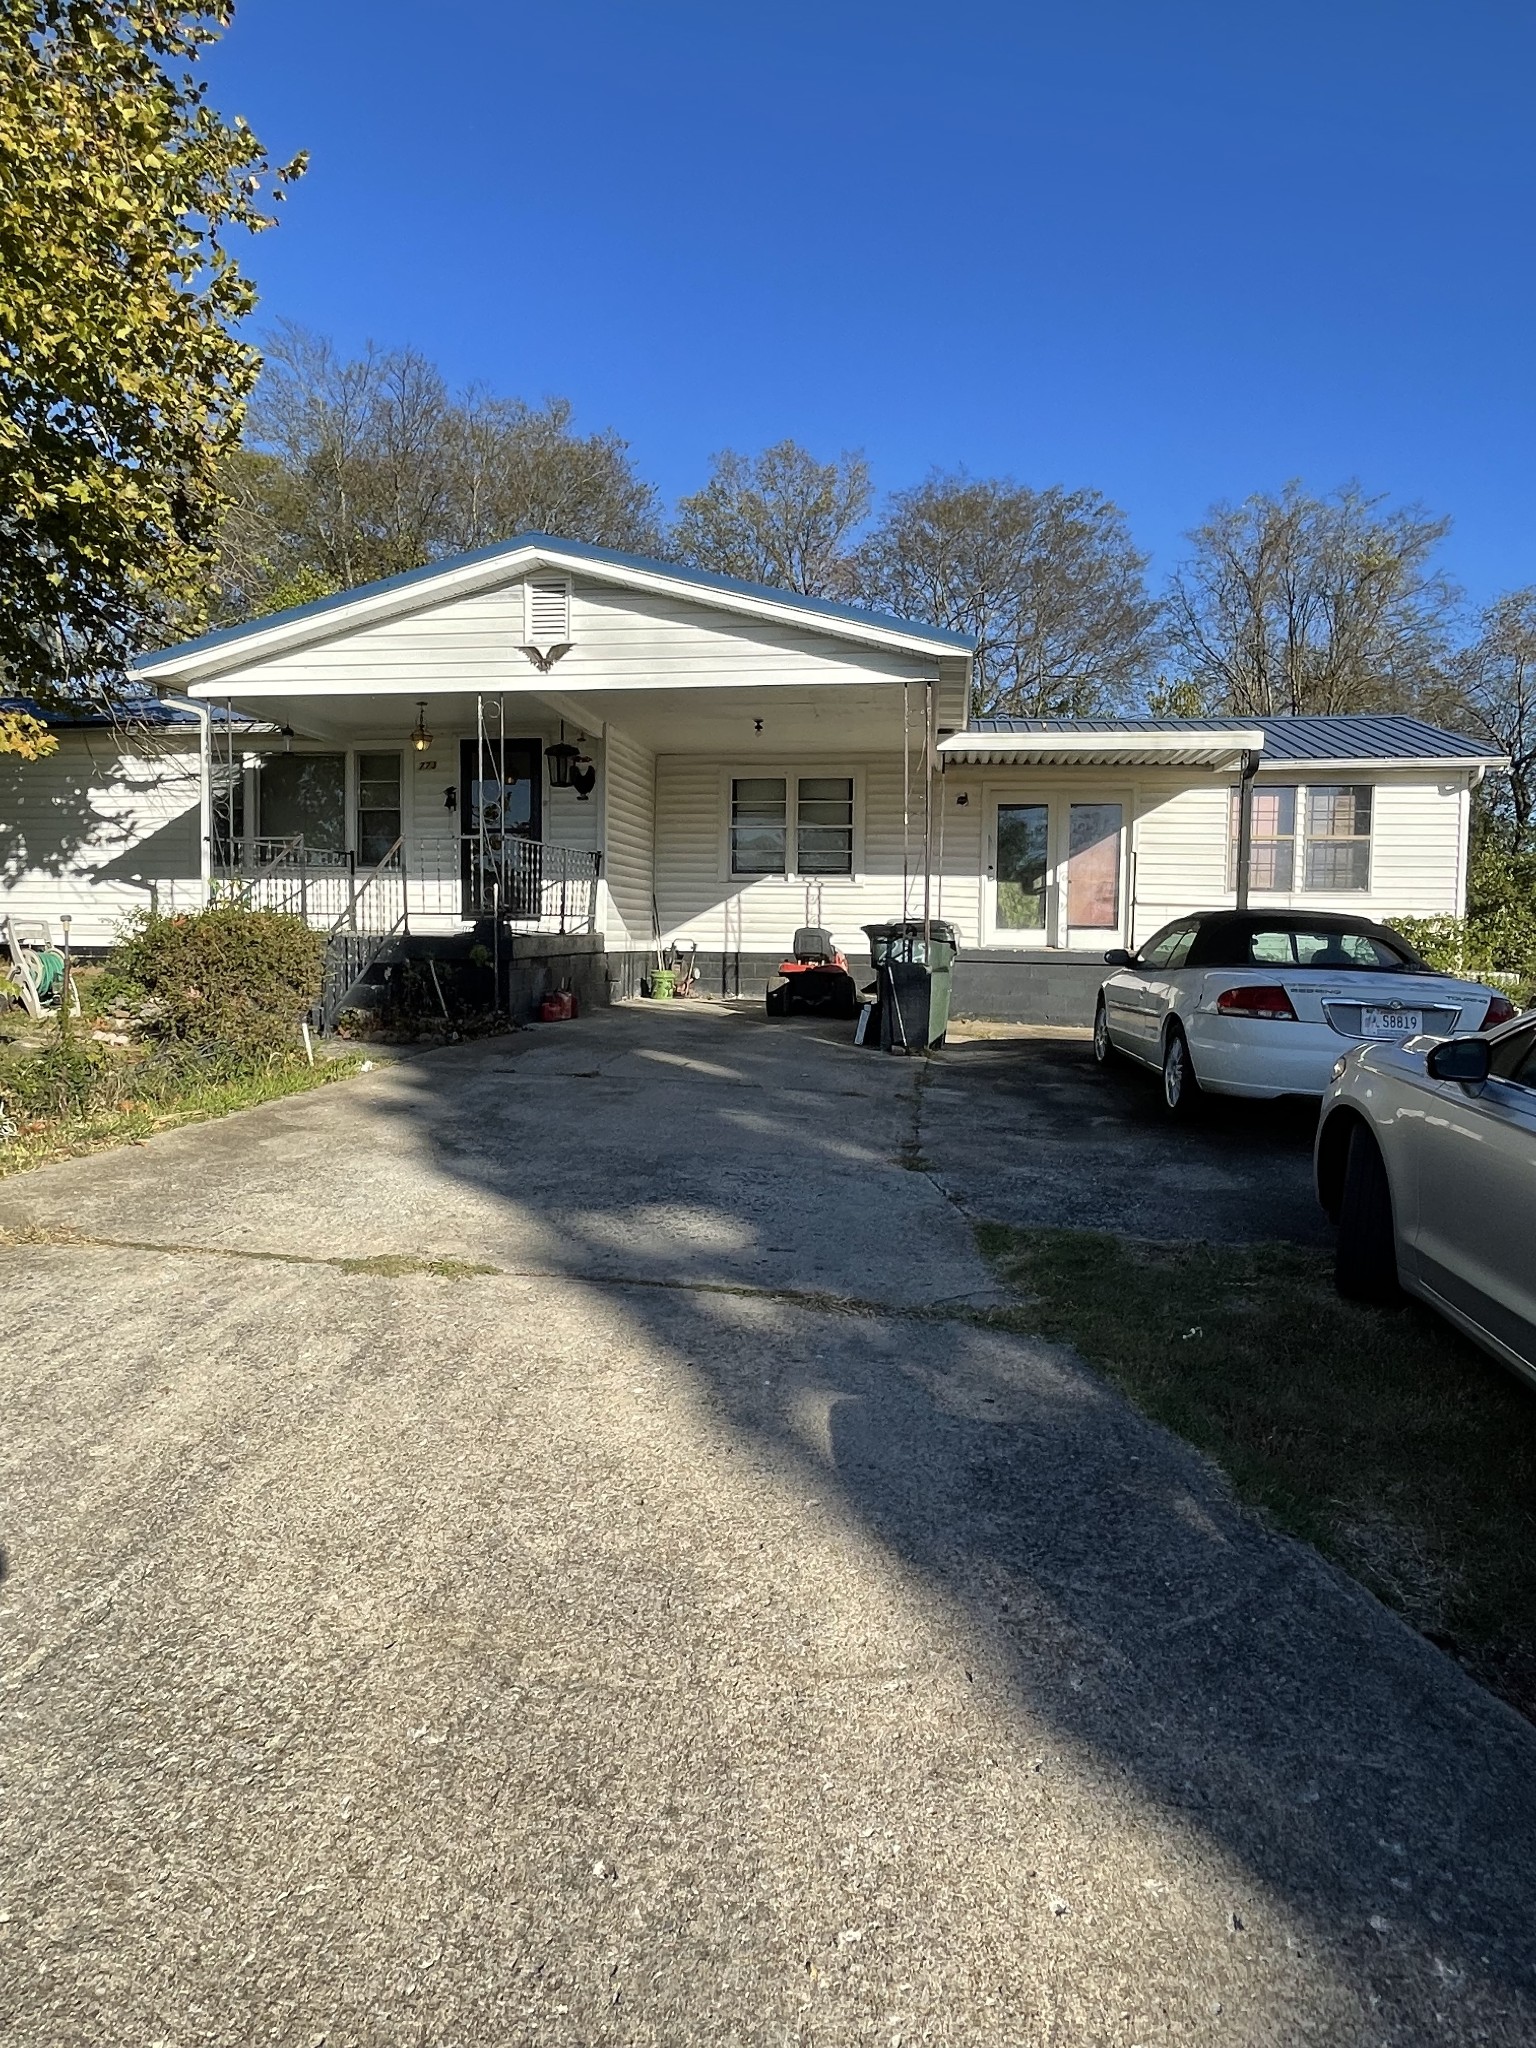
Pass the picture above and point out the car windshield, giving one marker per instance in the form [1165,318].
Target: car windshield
[1300,947]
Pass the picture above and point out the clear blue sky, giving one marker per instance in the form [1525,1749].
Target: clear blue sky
[1171,249]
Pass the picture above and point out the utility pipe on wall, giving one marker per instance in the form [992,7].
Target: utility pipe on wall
[1245,826]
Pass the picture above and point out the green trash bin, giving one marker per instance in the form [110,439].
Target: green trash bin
[916,981]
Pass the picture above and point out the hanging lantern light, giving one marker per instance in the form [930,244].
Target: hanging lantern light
[421,739]
[562,758]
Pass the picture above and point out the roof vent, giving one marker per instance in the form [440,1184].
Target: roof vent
[546,619]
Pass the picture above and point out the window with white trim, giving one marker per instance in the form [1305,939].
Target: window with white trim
[759,824]
[792,825]
[1272,849]
[824,825]
[1338,845]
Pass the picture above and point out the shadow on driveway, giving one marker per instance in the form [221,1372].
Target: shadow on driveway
[1348,1822]
[1032,1132]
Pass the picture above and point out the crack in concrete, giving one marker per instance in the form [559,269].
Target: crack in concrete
[396,1265]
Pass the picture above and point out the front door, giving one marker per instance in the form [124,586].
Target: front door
[501,788]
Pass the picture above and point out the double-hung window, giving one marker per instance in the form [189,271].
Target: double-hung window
[1272,850]
[792,824]
[759,824]
[1331,823]
[824,825]
[1338,846]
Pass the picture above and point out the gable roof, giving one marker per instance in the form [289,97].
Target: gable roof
[1362,739]
[417,589]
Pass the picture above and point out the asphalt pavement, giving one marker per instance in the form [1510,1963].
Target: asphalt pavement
[699,1626]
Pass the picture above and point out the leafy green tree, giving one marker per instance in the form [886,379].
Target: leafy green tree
[780,518]
[122,380]
[22,734]
[1048,582]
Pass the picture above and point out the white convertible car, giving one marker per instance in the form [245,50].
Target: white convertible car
[1262,1003]
[1426,1160]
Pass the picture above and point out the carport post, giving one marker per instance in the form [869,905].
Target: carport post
[1245,826]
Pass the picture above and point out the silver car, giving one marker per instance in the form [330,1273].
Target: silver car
[1426,1160]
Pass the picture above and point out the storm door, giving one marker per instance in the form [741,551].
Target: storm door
[1020,873]
[501,789]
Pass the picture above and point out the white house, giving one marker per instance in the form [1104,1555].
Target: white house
[577,753]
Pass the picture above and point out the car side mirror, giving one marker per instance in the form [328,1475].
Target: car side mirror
[1119,958]
[1461,1059]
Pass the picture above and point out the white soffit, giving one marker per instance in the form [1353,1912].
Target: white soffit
[1100,749]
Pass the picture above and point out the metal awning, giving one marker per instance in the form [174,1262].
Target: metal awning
[1214,751]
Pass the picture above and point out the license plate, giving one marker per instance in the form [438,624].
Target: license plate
[1391,1023]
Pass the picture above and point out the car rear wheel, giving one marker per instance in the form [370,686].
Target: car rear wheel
[1104,1048]
[1181,1090]
[1365,1264]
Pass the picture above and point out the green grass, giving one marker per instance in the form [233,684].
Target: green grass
[1385,1439]
[67,1138]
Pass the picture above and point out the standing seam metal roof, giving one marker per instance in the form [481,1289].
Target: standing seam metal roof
[1366,737]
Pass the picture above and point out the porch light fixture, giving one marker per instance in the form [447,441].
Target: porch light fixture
[562,758]
[421,739]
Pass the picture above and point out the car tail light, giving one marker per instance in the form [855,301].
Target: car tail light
[1500,1010]
[1260,1000]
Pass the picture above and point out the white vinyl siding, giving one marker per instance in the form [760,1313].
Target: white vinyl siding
[619,640]
[1417,851]
[97,832]
[700,899]
[629,812]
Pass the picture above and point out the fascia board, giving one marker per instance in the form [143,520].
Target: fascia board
[1150,746]
[1372,764]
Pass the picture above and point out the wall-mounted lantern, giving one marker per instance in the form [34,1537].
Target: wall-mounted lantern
[562,758]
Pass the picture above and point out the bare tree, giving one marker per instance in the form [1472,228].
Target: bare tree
[1293,603]
[517,468]
[1492,693]
[780,517]
[356,469]
[1047,581]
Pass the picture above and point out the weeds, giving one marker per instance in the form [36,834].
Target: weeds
[1387,1440]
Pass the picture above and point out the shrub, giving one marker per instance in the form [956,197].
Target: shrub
[1498,934]
[72,1077]
[225,977]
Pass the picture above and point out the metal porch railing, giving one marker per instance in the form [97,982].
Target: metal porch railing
[377,909]
[524,883]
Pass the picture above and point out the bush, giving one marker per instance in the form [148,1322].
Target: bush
[73,1077]
[1498,934]
[225,977]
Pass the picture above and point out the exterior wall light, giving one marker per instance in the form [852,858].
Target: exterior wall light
[562,758]
[421,739]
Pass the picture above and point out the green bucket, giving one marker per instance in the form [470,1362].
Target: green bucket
[663,983]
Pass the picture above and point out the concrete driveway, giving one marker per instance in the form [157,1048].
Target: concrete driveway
[696,1628]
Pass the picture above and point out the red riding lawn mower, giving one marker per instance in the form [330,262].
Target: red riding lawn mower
[816,981]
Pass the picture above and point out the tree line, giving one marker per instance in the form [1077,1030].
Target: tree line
[1288,602]
[158,470]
